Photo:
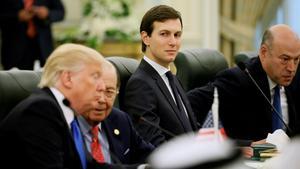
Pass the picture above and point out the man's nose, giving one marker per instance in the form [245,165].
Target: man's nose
[102,97]
[172,40]
[100,85]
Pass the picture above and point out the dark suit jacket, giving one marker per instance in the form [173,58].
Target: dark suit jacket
[127,145]
[147,95]
[14,40]
[244,112]
[36,135]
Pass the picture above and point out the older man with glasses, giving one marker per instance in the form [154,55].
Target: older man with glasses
[108,132]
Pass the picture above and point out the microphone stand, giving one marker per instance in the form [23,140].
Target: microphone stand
[243,67]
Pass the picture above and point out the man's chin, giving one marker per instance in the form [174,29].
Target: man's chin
[99,118]
[286,83]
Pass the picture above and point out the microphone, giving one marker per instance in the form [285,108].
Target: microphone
[243,67]
[67,103]
[141,118]
[156,126]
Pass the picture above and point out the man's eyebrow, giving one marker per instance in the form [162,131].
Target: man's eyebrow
[286,55]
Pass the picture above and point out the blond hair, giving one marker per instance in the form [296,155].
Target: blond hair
[67,57]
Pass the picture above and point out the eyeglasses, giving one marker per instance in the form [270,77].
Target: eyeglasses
[110,93]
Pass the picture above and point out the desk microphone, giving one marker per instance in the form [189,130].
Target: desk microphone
[141,118]
[157,126]
[243,67]
[67,103]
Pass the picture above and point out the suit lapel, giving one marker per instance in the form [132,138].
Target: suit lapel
[61,114]
[71,145]
[109,128]
[261,79]
[260,76]
[186,104]
[291,110]
[163,88]
[160,83]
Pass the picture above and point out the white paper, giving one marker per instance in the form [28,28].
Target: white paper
[278,138]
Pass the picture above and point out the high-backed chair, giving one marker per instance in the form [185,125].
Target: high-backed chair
[15,85]
[125,67]
[244,56]
[196,67]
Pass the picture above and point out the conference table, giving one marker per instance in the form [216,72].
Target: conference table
[254,164]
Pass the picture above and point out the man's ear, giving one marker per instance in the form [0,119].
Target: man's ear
[263,50]
[145,37]
[66,80]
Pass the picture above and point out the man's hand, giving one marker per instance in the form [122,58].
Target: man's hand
[259,142]
[41,12]
[25,15]
[248,151]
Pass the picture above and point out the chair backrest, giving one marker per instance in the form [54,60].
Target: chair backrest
[196,67]
[125,67]
[244,56]
[15,85]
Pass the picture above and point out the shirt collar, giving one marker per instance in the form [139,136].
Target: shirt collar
[272,84]
[68,113]
[85,126]
[160,69]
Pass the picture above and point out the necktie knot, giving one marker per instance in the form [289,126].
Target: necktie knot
[169,75]
[95,131]
[277,88]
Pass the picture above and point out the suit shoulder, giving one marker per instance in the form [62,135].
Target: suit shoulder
[229,74]
[40,96]
[38,99]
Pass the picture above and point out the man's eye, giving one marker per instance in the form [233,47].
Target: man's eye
[163,34]
[178,35]
[96,75]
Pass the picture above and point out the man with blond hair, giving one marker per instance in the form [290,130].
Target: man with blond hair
[42,131]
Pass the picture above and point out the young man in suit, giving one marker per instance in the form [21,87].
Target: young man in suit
[26,31]
[148,92]
[245,114]
[119,141]
[42,131]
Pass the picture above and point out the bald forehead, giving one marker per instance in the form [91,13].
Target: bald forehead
[107,66]
[283,32]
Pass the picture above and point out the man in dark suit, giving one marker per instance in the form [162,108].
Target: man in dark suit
[119,141]
[149,93]
[244,112]
[26,31]
[42,131]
